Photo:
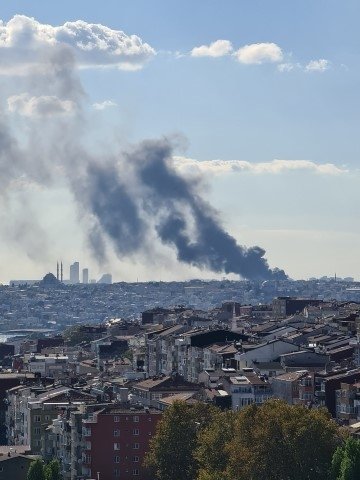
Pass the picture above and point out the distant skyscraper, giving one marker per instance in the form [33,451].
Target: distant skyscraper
[75,273]
[85,275]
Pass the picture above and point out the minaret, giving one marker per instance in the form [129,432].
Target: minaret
[57,270]
[61,272]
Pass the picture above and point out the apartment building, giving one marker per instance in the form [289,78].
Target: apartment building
[32,409]
[48,365]
[286,387]
[150,391]
[348,402]
[115,440]
[246,389]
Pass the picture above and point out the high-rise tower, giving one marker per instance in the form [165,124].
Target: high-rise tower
[74,273]
[85,275]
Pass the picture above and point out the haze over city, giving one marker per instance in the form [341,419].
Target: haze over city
[173,140]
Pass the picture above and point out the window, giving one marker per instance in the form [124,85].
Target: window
[37,430]
[135,471]
[116,446]
[47,417]
[116,433]
[117,472]
[136,446]
[117,459]
[87,445]
[37,418]
[136,459]
[136,418]
[116,419]
[135,431]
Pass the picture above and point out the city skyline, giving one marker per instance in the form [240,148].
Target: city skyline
[258,103]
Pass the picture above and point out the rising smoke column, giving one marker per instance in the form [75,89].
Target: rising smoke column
[160,199]
[206,245]
[131,198]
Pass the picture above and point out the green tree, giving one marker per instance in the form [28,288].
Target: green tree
[346,461]
[279,441]
[212,453]
[75,335]
[52,470]
[171,454]
[36,471]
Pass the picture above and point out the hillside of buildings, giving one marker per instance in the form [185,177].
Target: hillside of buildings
[86,383]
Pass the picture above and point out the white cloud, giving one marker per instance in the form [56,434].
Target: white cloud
[192,166]
[42,106]
[103,105]
[219,48]
[24,42]
[318,65]
[258,53]
[288,67]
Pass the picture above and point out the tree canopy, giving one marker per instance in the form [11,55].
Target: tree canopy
[273,441]
[171,454]
[277,440]
[52,470]
[36,471]
[39,471]
[346,461]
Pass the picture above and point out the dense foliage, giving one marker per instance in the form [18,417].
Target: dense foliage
[273,441]
[346,461]
[76,335]
[172,451]
[36,471]
[40,471]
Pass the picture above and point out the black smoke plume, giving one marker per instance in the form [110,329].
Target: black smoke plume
[153,197]
[134,199]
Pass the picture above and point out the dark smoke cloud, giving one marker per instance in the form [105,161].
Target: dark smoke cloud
[134,200]
[158,199]
[109,200]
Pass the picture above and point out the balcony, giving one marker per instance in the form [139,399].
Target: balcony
[86,460]
[90,419]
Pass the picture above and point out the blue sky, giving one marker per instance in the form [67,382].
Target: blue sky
[224,109]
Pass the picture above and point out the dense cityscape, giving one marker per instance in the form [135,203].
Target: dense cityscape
[87,370]
[179,265]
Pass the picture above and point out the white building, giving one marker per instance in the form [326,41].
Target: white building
[266,352]
[48,365]
[247,389]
